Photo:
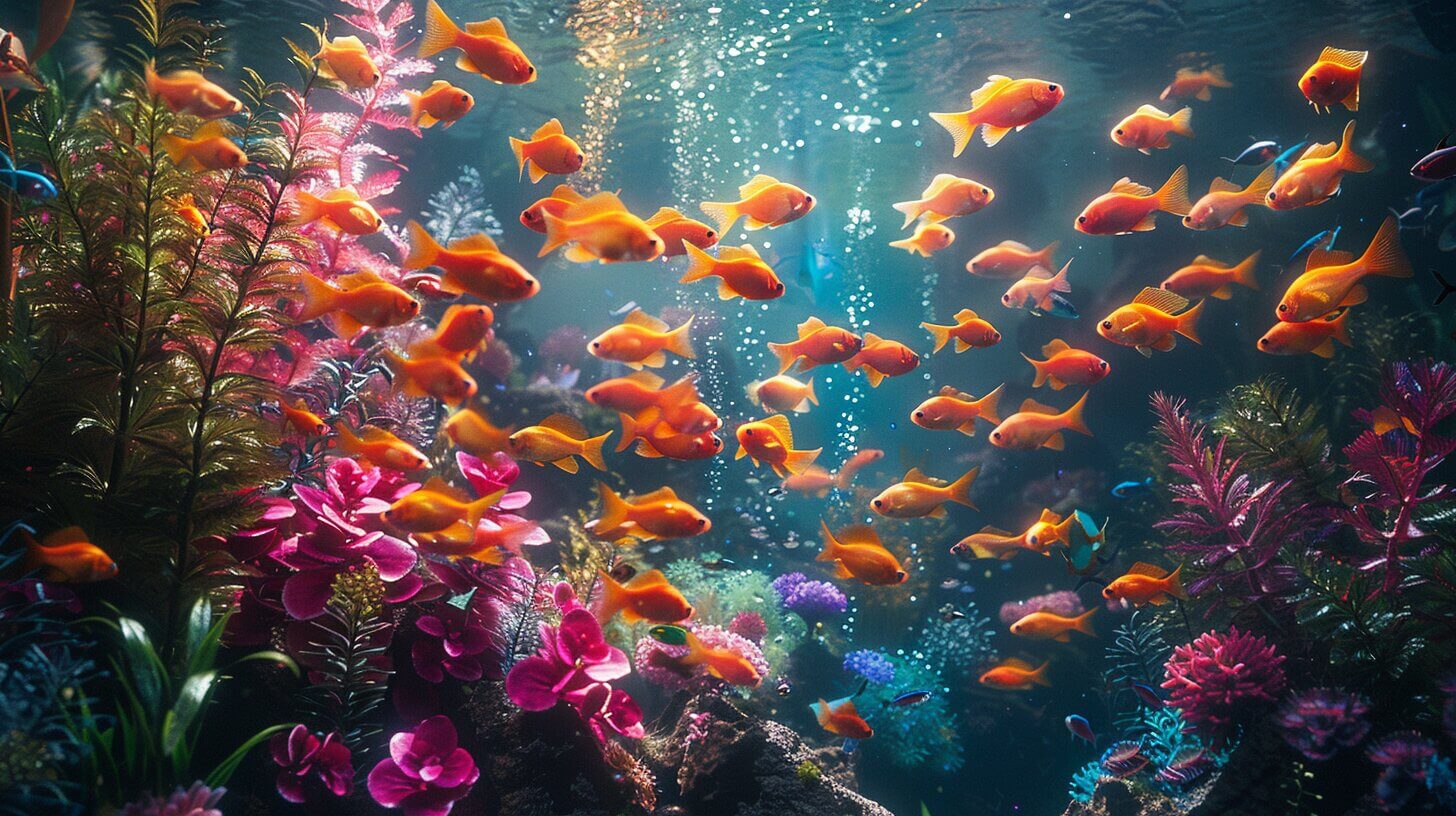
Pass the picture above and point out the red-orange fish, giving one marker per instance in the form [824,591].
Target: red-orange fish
[1151,321]
[1315,176]
[441,102]
[1147,129]
[1039,426]
[880,358]
[642,340]
[376,446]
[999,106]
[1146,584]
[209,148]
[462,330]
[1334,79]
[600,229]
[647,597]
[817,345]
[439,377]
[549,151]
[1051,626]
[955,410]
[841,718]
[1066,366]
[1015,675]
[764,201]
[342,208]
[1011,259]
[678,232]
[969,331]
[485,48]
[299,418]
[918,495]
[739,270]
[771,442]
[1129,206]
[191,92]
[534,217]
[1332,278]
[473,265]
[67,556]
[649,517]
[355,301]
[475,434]
[857,552]
[1195,83]
[947,196]
[1207,277]
[1315,337]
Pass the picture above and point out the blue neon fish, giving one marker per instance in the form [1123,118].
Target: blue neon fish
[1320,240]
[1134,487]
[25,182]
[1282,162]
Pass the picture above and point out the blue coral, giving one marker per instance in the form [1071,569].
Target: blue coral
[1084,782]
[871,665]
[953,647]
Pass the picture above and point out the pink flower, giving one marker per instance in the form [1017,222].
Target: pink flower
[453,643]
[308,766]
[427,771]
[198,800]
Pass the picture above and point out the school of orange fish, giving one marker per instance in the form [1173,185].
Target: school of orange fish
[670,419]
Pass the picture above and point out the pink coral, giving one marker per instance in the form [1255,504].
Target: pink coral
[749,625]
[1220,678]
[1063,602]
[566,344]
[659,663]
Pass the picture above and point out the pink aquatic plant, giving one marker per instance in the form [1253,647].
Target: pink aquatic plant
[1220,678]
[1319,722]
[309,767]
[659,663]
[451,641]
[426,771]
[198,800]
[750,626]
[1392,460]
[1403,759]
[1063,602]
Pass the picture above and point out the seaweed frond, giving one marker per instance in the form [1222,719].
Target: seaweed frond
[1276,432]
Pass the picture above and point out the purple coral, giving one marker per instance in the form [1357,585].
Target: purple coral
[1403,758]
[749,625]
[1062,602]
[1319,722]
[813,600]
[659,663]
[1220,678]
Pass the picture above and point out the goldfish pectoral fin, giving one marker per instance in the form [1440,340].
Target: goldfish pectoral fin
[1055,442]
[751,223]
[1145,151]
[1064,637]
[938,512]
[1239,219]
[841,571]
[1149,222]
[568,464]
[1144,351]
[961,345]
[1159,600]
[1166,343]
[969,428]
[725,292]
[1223,292]
[1204,94]
[536,172]
[1358,294]
[1325,349]
[579,254]
[656,359]
[991,134]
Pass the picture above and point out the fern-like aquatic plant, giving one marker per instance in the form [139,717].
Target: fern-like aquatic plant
[1369,634]
[1277,433]
[347,653]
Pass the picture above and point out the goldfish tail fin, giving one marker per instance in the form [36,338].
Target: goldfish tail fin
[1173,196]
[1040,368]
[416,113]
[787,356]
[679,342]
[1385,256]
[591,451]
[1217,78]
[723,213]
[176,148]
[1348,159]
[611,601]
[1047,253]
[991,405]
[1342,328]
[700,264]
[153,82]
[959,125]
[912,210]
[556,234]
[1244,272]
[310,208]
[1038,676]
[960,489]
[1083,623]
[831,546]
[518,147]
[1188,323]
[440,31]
[318,297]
[798,461]
[909,245]
[349,441]
[940,333]
[614,508]
[821,712]
[424,249]
[1175,584]
[1182,122]
[631,430]
[1075,419]
[809,392]
[480,506]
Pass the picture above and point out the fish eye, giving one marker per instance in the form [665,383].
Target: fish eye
[879,503]
[1081,219]
[596,344]
[808,199]
[530,69]
[985,191]
[1107,324]
[1263,342]
[995,434]
[748,432]
[778,287]
[996,336]
[1283,307]
[920,415]
[1118,131]
[717,443]
[702,523]
[1102,365]
[1273,195]
[712,234]
[1052,88]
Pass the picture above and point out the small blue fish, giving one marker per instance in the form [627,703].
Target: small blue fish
[1061,307]
[1287,158]
[1128,489]
[911,698]
[1320,240]
[24,182]
[1431,196]
[1146,693]
[1081,729]
[1257,154]
[1084,540]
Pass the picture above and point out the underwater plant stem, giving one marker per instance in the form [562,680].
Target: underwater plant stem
[1400,533]
[1187,624]
[8,277]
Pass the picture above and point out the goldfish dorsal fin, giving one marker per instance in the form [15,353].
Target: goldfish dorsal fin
[1204,260]
[1031,406]
[810,326]
[1223,185]
[354,280]
[565,425]
[860,534]
[346,193]
[965,315]
[914,475]
[757,184]
[1162,300]
[439,485]
[72,534]
[1152,110]
[995,84]
[348,43]
[209,129]
[664,215]
[780,425]
[732,253]
[940,182]
[371,433]
[1055,347]
[566,192]
[871,339]
[1048,517]
[487,28]
[1018,663]
[599,204]
[845,706]
[1009,244]
[1321,258]
[1342,57]
[551,128]
[647,579]
[1127,186]
[646,379]
[1321,151]
[996,531]
[1144,568]
[479,242]
[637,317]
[663,493]
[949,391]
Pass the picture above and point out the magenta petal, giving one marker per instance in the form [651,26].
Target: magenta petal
[514,501]
[579,636]
[455,769]
[393,557]
[438,735]
[402,752]
[531,683]
[431,625]
[468,669]
[306,594]
[389,786]
[610,667]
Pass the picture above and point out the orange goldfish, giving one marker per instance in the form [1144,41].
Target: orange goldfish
[858,553]
[854,464]
[1015,675]
[441,102]
[485,48]
[918,495]
[969,331]
[186,209]
[956,410]
[600,229]
[1146,584]
[461,332]
[380,447]
[817,345]
[489,541]
[1148,128]
[1206,277]
[771,442]
[1331,278]
[1129,206]
[1315,337]
[549,150]
[533,217]
[1152,321]
[947,196]
[880,358]
[1049,529]
[209,148]
[439,377]
[1224,205]
[722,662]
[1195,83]
[739,270]
[841,718]
[1334,79]
[678,232]
[1066,366]
[643,340]
[472,265]
[679,407]
[783,394]
[302,420]
[557,440]
[927,240]
[1010,259]
[67,556]
[813,480]
[341,208]
[656,439]
[1315,176]
[647,597]
[1001,104]
[1036,291]
[764,201]
[1039,426]
[360,300]
[639,391]
[656,515]
[347,60]
[473,433]
[436,506]
[191,92]
[1051,626]
[994,542]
